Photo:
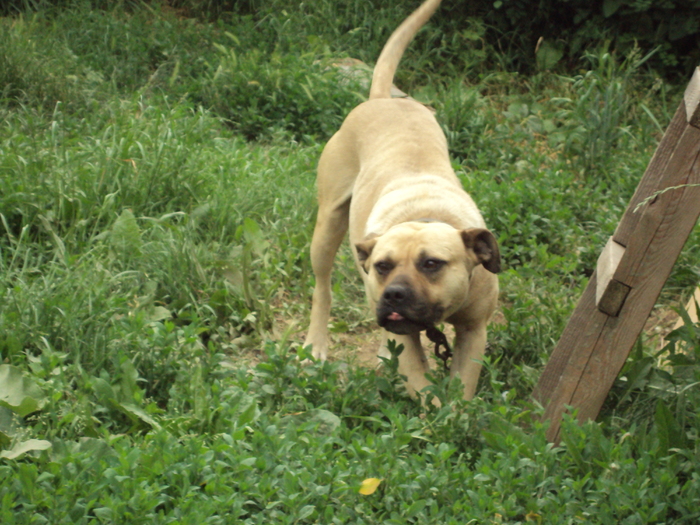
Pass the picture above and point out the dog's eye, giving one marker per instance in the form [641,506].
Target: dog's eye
[383,267]
[432,265]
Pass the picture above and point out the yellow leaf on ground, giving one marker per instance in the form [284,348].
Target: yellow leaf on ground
[369,485]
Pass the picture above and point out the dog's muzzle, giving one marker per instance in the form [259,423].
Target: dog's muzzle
[401,311]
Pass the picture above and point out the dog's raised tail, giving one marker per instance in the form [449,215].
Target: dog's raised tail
[388,61]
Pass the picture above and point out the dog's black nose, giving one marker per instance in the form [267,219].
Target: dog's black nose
[397,294]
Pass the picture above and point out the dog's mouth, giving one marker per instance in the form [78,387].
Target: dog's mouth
[395,316]
[399,324]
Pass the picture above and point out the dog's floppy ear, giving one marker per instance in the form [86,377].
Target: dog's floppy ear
[364,249]
[485,247]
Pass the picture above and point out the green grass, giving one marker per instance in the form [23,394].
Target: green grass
[156,206]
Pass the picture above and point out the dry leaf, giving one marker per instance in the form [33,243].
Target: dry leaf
[369,485]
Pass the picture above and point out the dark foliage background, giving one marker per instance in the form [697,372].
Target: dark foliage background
[526,34]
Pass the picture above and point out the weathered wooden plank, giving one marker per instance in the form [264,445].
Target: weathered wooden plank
[559,380]
[619,334]
[632,271]
[653,174]
[585,326]
[610,294]
[691,97]
[688,112]
[652,215]
[588,359]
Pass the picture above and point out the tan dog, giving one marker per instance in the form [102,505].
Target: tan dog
[420,241]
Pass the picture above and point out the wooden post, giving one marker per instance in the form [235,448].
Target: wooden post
[631,271]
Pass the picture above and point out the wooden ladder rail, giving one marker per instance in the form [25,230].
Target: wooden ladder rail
[631,270]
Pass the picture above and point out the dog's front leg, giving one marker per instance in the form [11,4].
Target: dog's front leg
[331,225]
[469,348]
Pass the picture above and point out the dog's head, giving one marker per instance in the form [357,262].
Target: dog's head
[418,274]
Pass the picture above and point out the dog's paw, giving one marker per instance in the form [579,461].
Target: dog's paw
[312,353]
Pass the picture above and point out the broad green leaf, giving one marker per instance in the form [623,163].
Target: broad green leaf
[548,55]
[7,427]
[610,7]
[158,313]
[96,448]
[664,426]
[129,382]
[125,236]
[254,237]
[103,513]
[327,421]
[319,421]
[669,432]
[25,446]
[19,392]
[415,508]
[250,414]
[305,512]
[104,390]
[139,413]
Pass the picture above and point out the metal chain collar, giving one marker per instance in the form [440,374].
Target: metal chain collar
[439,338]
